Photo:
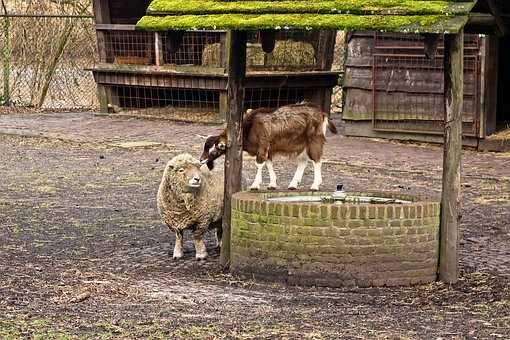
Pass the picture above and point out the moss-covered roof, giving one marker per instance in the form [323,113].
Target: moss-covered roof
[384,15]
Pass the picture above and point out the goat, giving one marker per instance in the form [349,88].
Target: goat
[291,130]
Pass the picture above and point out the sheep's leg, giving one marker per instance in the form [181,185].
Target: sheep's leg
[298,175]
[272,175]
[317,176]
[258,177]
[178,253]
[198,240]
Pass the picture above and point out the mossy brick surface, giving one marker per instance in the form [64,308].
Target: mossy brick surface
[336,245]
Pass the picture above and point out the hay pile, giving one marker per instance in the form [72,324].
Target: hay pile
[287,54]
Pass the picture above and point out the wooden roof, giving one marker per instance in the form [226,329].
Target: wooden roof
[448,16]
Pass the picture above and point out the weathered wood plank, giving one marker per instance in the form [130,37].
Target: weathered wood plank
[158,48]
[236,46]
[102,97]
[450,198]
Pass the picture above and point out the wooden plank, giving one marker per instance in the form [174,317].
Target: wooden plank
[223,106]
[114,27]
[450,197]
[102,97]
[326,59]
[158,49]
[236,47]
[490,89]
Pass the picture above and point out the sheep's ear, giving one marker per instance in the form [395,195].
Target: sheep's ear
[221,146]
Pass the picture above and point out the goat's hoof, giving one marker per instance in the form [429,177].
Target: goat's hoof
[177,257]
[292,188]
[272,187]
[254,189]
[201,258]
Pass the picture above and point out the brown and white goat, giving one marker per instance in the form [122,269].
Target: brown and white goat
[297,130]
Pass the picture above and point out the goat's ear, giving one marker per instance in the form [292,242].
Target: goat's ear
[222,146]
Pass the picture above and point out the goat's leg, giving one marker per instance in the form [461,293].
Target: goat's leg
[317,175]
[298,175]
[198,240]
[272,175]
[258,177]
[178,253]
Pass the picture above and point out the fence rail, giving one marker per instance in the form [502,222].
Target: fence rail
[43,61]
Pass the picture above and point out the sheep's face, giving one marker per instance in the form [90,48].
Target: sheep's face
[214,147]
[189,174]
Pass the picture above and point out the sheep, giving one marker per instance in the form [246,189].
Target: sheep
[190,197]
[292,130]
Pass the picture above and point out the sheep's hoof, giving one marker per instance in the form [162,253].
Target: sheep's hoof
[177,257]
[254,189]
[292,188]
[201,257]
[272,187]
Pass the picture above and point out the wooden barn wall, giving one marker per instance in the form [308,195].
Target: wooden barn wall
[417,94]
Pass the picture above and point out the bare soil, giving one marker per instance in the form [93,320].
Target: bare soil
[83,253]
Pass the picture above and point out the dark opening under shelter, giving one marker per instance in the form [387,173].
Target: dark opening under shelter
[433,19]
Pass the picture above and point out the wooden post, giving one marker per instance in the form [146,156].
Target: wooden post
[158,49]
[236,49]
[450,198]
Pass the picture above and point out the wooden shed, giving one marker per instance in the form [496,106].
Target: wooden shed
[185,70]
[392,89]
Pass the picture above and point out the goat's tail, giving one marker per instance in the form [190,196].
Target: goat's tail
[328,125]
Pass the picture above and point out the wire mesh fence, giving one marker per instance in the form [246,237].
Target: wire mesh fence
[408,86]
[44,60]
[294,50]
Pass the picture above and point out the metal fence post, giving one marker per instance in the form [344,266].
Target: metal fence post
[6,57]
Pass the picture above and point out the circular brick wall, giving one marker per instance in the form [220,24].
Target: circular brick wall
[335,244]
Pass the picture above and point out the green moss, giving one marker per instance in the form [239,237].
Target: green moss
[371,7]
[405,24]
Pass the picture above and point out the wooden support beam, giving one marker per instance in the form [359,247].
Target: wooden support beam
[236,49]
[450,198]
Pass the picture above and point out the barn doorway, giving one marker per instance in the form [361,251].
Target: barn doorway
[503,110]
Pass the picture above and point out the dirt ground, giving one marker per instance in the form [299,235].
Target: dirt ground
[83,253]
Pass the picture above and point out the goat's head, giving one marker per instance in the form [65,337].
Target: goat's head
[214,147]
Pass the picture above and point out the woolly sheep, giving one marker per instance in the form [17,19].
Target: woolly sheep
[190,197]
